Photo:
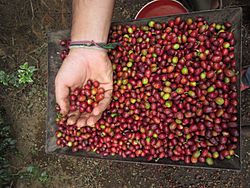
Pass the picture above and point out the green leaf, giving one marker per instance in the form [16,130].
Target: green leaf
[30,169]
[32,69]
[3,78]
[2,75]
[21,80]
[20,71]
[29,80]
[109,45]
[24,66]
[5,132]
[43,177]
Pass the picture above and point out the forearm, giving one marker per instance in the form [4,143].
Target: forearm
[91,19]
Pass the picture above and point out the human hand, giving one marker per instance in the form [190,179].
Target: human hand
[78,67]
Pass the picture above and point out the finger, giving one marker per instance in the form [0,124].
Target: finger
[73,117]
[72,113]
[92,120]
[62,92]
[106,85]
[82,121]
[103,103]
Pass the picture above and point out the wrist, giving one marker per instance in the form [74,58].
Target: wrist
[87,52]
[83,36]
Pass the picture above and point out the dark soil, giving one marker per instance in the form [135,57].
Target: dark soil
[23,28]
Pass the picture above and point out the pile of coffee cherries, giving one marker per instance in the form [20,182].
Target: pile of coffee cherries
[86,98]
[174,94]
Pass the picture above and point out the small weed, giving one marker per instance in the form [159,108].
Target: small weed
[21,77]
[25,73]
[34,151]
[33,172]
[43,177]
[4,78]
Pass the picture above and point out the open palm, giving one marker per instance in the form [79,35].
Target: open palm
[80,66]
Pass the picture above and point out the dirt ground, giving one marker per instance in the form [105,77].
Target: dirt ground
[23,28]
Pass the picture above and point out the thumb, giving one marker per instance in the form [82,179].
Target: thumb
[62,93]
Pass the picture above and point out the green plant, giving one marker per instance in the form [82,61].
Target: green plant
[19,78]
[4,78]
[34,151]
[7,146]
[25,73]
[33,172]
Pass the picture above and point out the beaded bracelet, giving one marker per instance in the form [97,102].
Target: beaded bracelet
[92,44]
